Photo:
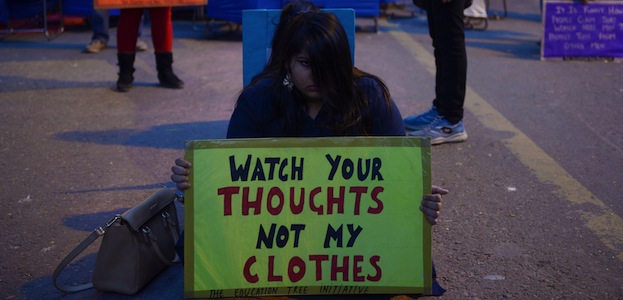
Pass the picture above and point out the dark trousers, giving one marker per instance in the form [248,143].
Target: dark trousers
[446,28]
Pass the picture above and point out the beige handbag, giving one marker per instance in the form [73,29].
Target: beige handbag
[136,247]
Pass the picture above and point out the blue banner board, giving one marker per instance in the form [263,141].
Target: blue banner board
[257,36]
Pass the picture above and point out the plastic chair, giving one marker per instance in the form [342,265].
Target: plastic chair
[495,15]
[11,10]
[476,16]
[257,37]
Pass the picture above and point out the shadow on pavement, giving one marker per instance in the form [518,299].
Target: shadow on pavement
[168,285]
[167,136]
[510,43]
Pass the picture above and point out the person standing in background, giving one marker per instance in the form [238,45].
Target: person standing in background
[162,38]
[443,122]
[100,25]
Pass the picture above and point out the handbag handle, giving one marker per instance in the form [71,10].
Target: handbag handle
[98,232]
[154,242]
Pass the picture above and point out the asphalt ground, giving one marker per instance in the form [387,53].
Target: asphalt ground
[535,205]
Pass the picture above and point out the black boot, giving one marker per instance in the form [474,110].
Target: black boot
[164,60]
[126,71]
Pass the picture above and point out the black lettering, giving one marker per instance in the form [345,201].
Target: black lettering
[334,165]
[258,172]
[240,172]
[267,240]
[333,234]
[354,233]
[376,169]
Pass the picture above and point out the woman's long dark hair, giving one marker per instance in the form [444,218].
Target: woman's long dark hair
[288,12]
[323,38]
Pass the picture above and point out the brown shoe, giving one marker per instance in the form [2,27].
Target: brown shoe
[95,46]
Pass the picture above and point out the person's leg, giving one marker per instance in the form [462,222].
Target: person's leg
[99,25]
[127,29]
[127,34]
[421,121]
[448,33]
[446,27]
[162,38]
[161,29]
[100,37]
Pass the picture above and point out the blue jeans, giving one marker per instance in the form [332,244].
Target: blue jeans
[100,24]
[446,28]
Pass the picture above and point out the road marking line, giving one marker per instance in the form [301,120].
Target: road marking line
[601,220]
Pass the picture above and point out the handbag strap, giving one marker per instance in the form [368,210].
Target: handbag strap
[100,232]
[72,255]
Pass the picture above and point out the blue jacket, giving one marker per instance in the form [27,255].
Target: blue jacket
[254,115]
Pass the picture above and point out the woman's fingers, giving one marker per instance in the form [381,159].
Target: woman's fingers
[182,163]
[181,170]
[430,214]
[439,190]
[431,204]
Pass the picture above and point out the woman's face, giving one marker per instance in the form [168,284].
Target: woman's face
[302,77]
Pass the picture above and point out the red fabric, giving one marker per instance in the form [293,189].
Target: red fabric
[161,29]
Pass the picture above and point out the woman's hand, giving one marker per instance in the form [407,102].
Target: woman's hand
[181,170]
[431,204]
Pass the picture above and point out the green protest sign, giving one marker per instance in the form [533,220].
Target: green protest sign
[307,216]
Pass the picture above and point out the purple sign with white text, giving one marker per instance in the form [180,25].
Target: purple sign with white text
[574,29]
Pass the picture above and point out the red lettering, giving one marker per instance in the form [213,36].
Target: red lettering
[312,205]
[228,192]
[374,262]
[319,259]
[248,205]
[275,192]
[251,278]
[271,270]
[358,190]
[297,209]
[375,196]
[335,269]
[333,200]
[296,263]
[297,268]
[357,259]
[274,200]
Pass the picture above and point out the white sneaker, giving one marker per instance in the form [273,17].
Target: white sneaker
[141,46]
[95,46]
